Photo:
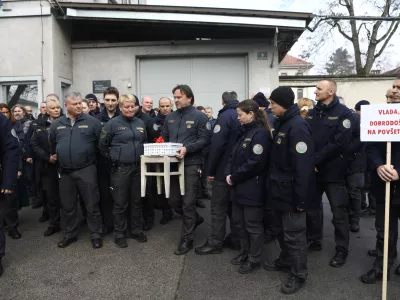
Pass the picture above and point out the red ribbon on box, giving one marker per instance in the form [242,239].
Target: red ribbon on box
[159,140]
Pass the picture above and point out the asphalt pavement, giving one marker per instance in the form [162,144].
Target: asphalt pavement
[36,269]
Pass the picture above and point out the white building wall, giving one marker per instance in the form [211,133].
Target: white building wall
[118,63]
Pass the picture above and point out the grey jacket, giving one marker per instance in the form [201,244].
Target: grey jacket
[76,145]
[189,127]
[122,139]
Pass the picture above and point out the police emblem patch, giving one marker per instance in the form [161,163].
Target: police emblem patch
[301,147]
[208,126]
[155,127]
[217,128]
[103,134]
[258,149]
[346,123]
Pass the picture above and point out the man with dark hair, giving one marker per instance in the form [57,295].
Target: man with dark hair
[331,127]
[187,126]
[93,104]
[74,138]
[225,133]
[110,111]
[383,173]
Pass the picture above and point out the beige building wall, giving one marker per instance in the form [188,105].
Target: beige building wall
[351,89]
[119,62]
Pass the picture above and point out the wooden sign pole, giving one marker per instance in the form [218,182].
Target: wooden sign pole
[387,213]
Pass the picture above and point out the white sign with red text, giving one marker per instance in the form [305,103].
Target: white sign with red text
[380,123]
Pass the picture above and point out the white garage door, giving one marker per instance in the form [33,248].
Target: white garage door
[208,77]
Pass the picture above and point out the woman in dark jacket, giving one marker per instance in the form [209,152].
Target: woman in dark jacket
[20,198]
[246,173]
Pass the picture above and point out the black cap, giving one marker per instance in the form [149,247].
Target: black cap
[283,96]
[91,97]
[359,103]
[261,100]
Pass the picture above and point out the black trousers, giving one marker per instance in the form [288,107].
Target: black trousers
[11,217]
[249,220]
[125,190]
[148,200]
[186,203]
[354,184]
[203,187]
[293,242]
[394,217]
[49,183]
[31,174]
[221,207]
[4,199]
[106,200]
[83,181]
[272,222]
[338,199]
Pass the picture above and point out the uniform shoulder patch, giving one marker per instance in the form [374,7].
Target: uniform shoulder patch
[301,147]
[217,128]
[103,134]
[208,126]
[346,123]
[258,149]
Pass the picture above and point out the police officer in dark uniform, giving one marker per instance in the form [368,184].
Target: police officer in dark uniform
[148,201]
[165,105]
[187,126]
[121,141]
[48,165]
[110,111]
[383,173]
[225,134]
[246,174]
[356,167]
[9,159]
[74,138]
[330,123]
[291,183]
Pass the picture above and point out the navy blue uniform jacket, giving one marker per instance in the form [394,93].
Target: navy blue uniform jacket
[357,157]
[331,132]
[225,133]
[292,181]
[248,165]
[9,155]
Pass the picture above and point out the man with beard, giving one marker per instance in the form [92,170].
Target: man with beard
[19,114]
[43,109]
[29,113]
[110,111]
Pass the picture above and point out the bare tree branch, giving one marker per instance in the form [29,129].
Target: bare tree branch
[387,40]
[387,33]
[342,32]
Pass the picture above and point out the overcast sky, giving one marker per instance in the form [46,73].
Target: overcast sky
[392,56]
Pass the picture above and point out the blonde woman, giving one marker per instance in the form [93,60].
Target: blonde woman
[304,105]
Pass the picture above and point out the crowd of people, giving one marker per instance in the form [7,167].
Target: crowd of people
[269,162]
